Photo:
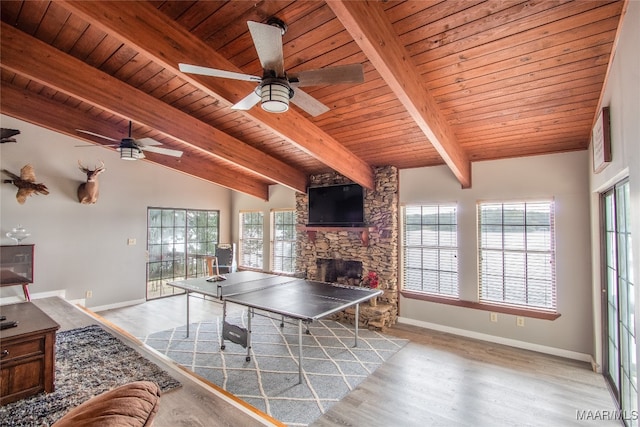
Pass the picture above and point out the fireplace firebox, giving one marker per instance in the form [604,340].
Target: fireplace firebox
[339,271]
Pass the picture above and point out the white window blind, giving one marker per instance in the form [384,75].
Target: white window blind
[430,249]
[517,254]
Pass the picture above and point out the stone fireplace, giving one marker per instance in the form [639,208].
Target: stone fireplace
[345,254]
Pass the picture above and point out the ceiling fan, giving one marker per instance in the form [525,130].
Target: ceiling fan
[132,149]
[276,88]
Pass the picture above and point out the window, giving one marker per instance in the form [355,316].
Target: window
[251,239]
[283,241]
[175,238]
[619,323]
[430,249]
[517,254]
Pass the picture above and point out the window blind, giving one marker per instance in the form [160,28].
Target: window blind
[517,254]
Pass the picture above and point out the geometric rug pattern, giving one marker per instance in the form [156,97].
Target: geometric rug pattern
[332,366]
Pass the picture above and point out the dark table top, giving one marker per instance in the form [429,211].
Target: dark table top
[31,320]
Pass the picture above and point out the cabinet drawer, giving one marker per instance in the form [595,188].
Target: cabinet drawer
[15,350]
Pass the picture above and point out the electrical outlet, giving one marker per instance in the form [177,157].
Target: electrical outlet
[494,317]
[520,321]
[88,294]
[131,241]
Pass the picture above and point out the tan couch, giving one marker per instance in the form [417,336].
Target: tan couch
[131,405]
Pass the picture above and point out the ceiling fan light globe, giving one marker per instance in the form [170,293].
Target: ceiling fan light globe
[130,153]
[275,97]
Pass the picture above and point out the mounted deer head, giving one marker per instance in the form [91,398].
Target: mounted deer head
[88,191]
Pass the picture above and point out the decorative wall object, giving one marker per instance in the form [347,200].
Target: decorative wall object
[7,135]
[88,192]
[26,183]
[601,141]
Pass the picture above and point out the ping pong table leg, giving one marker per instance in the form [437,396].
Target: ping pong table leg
[300,351]
[224,319]
[357,322]
[249,315]
[187,314]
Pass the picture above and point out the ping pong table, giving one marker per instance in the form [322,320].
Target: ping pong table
[299,299]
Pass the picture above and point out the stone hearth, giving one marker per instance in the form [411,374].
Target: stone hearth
[346,245]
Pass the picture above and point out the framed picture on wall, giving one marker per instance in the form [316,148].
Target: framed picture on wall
[601,141]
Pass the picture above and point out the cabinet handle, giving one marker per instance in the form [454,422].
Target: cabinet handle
[5,353]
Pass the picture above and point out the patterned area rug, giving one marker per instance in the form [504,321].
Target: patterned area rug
[332,365]
[89,361]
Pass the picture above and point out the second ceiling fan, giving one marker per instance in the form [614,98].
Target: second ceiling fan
[276,88]
[132,149]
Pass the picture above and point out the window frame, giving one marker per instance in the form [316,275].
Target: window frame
[190,238]
[243,240]
[439,249]
[274,240]
[551,252]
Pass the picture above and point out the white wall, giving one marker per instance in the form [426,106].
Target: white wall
[622,96]
[280,197]
[562,177]
[84,247]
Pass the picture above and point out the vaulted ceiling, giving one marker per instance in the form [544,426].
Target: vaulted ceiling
[445,82]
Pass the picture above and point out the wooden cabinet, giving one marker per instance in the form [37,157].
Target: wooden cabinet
[16,266]
[27,353]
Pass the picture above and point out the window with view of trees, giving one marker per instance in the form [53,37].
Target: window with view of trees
[430,249]
[251,239]
[175,238]
[620,367]
[517,254]
[283,253]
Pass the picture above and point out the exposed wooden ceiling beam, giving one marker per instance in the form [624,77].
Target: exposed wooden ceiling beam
[169,45]
[372,31]
[30,57]
[39,110]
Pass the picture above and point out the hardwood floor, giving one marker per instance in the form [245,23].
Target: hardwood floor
[438,379]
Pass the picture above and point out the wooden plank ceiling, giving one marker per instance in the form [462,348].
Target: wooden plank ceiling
[446,82]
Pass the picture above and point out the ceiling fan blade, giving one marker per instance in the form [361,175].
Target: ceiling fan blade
[144,142]
[205,71]
[161,150]
[268,42]
[308,103]
[247,102]
[331,75]
[97,135]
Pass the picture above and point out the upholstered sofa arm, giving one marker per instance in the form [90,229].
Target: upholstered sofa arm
[131,405]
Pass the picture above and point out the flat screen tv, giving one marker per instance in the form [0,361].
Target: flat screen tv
[336,206]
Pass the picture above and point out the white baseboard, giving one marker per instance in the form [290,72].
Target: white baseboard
[501,340]
[62,294]
[39,295]
[116,305]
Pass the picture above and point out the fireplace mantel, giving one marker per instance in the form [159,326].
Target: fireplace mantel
[364,231]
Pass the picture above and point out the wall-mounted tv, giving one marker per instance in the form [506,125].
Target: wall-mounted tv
[336,206]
